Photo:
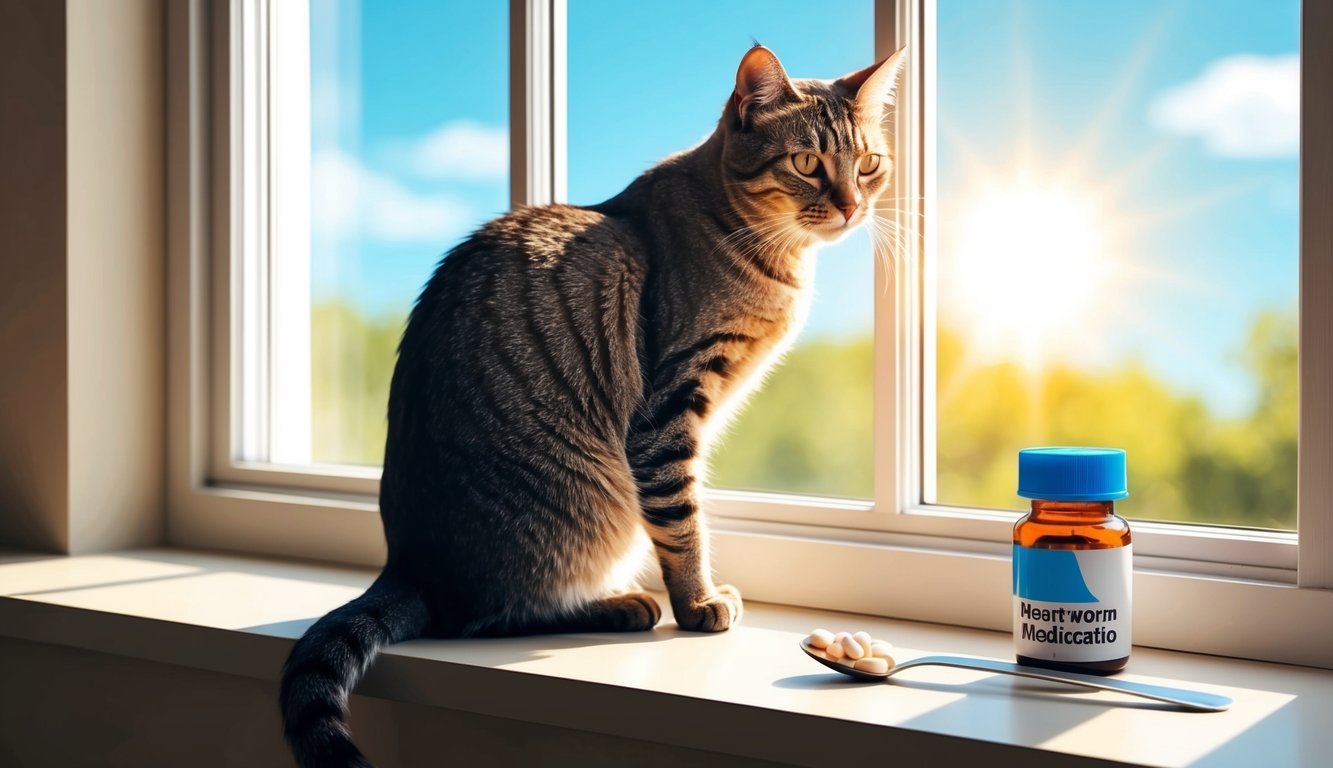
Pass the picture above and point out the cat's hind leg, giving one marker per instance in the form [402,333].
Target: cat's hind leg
[629,612]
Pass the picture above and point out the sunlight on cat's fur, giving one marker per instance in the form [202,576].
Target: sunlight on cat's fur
[563,372]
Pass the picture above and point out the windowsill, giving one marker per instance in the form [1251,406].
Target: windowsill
[747,692]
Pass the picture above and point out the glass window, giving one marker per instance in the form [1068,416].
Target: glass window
[635,98]
[409,147]
[1116,206]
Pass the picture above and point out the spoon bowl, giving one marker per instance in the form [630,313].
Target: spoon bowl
[847,669]
[1197,701]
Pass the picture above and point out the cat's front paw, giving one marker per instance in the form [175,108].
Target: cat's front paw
[714,613]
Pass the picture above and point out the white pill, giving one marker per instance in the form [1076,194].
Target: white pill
[820,638]
[853,649]
[842,639]
[864,640]
[846,662]
[872,665]
[834,650]
[881,649]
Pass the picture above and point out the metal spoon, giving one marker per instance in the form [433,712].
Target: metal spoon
[1186,699]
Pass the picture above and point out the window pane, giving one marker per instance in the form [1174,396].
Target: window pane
[635,98]
[1116,207]
[409,152]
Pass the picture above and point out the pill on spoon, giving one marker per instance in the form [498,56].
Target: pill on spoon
[881,649]
[873,665]
[820,638]
[834,650]
[849,645]
[864,640]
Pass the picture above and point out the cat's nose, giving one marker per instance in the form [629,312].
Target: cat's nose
[847,200]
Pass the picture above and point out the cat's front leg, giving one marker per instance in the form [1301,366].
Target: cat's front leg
[663,457]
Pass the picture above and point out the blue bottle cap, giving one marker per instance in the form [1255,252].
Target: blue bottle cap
[1072,474]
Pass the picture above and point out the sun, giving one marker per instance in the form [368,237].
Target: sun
[1027,265]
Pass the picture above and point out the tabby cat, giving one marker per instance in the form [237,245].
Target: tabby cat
[563,371]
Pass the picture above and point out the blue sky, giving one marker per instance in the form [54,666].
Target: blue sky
[410,104]
[1225,246]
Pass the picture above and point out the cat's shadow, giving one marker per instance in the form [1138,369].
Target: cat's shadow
[501,651]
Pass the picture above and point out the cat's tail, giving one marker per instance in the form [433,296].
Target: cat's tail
[330,658]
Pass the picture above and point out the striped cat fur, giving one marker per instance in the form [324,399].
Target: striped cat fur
[562,375]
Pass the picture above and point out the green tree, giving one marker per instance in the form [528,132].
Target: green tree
[1185,463]
[808,429]
[352,359]
[1246,474]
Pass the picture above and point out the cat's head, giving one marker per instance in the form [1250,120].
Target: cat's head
[807,158]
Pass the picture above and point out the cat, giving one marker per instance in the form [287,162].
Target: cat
[565,368]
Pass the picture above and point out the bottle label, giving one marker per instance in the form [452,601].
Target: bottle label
[1072,605]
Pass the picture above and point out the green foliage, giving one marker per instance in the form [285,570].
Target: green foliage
[808,430]
[1184,462]
[351,363]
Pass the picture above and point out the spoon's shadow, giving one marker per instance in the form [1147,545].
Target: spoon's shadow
[1006,686]
[828,682]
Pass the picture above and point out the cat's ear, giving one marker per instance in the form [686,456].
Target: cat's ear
[876,86]
[760,82]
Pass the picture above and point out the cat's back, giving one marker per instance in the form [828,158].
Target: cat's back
[523,260]
[538,307]
[551,238]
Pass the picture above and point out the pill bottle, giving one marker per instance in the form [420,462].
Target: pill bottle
[1072,564]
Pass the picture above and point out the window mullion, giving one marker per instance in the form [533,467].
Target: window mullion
[247,400]
[286,253]
[1315,502]
[537,101]
[929,240]
[559,103]
[897,391]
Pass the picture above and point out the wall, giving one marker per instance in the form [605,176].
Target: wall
[82,296]
[66,708]
[33,417]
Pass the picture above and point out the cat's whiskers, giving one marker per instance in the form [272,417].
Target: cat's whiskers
[761,234]
[883,249]
[914,198]
[745,237]
[890,229]
[891,238]
[895,251]
[898,218]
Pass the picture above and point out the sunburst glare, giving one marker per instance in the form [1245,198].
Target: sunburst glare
[1110,228]
[1030,266]
[1036,254]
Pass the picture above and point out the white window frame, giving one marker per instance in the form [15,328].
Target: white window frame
[330,513]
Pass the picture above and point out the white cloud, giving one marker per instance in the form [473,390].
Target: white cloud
[1241,106]
[350,198]
[461,149]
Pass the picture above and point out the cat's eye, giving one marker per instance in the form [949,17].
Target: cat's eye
[869,164]
[806,162]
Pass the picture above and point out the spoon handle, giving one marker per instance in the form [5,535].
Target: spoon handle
[1204,702]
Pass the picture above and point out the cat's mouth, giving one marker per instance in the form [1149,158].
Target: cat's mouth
[834,228]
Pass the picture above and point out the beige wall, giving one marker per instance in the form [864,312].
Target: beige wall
[116,281]
[66,708]
[81,274]
[33,417]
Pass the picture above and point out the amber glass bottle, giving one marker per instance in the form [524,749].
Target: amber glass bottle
[1072,562]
